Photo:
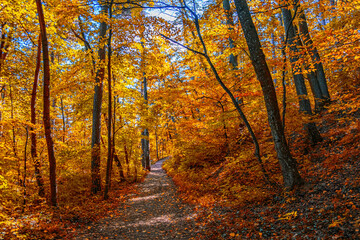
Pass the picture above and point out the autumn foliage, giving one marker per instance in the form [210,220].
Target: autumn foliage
[188,114]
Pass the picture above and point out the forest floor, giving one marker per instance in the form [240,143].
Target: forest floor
[155,212]
[326,207]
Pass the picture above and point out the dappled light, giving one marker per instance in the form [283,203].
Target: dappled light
[181,119]
[156,212]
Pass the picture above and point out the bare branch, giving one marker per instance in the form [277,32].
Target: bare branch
[181,45]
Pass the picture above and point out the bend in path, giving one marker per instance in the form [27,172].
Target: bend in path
[155,213]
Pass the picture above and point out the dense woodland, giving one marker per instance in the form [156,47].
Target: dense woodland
[253,100]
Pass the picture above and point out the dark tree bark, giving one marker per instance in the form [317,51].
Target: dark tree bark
[156,144]
[46,105]
[25,169]
[314,54]
[4,45]
[110,147]
[96,125]
[301,91]
[145,144]
[230,24]
[121,169]
[288,164]
[127,160]
[63,118]
[36,161]
[295,46]
[294,60]
[13,134]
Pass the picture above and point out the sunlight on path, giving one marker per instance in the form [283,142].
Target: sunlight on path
[155,213]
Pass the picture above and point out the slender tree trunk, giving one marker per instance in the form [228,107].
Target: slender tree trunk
[135,169]
[110,147]
[127,160]
[46,106]
[301,91]
[3,53]
[121,169]
[25,168]
[288,164]
[227,150]
[145,149]
[96,126]
[4,45]
[145,144]
[116,158]
[13,135]
[63,118]
[36,160]
[294,60]
[314,54]
[283,74]
[230,24]
[156,144]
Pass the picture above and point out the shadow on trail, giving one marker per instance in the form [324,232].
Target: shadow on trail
[155,213]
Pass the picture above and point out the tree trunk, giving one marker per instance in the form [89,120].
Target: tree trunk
[294,60]
[288,165]
[96,125]
[230,24]
[314,54]
[63,119]
[145,150]
[46,106]
[127,160]
[145,145]
[36,161]
[121,170]
[110,147]
[13,135]
[301,91]
[25,169]
[3,54]
[4,45]
[156,144]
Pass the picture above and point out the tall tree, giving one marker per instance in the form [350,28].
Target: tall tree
[46,105]
[301,91]
[36,160]
[4,45]
[314,54]
[109,128]
[145,143]
[96,119]
[288,164]
[230,24]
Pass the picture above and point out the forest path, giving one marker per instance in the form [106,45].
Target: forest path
[155,213]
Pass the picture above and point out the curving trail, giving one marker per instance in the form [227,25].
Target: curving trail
[155,213]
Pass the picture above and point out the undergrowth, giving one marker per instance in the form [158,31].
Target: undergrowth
[235,179]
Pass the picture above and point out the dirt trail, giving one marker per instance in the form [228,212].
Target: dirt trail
[155,213]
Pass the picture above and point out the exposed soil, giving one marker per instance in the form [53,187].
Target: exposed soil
[156,212]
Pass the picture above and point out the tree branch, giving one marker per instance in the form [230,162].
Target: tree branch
[181,45]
